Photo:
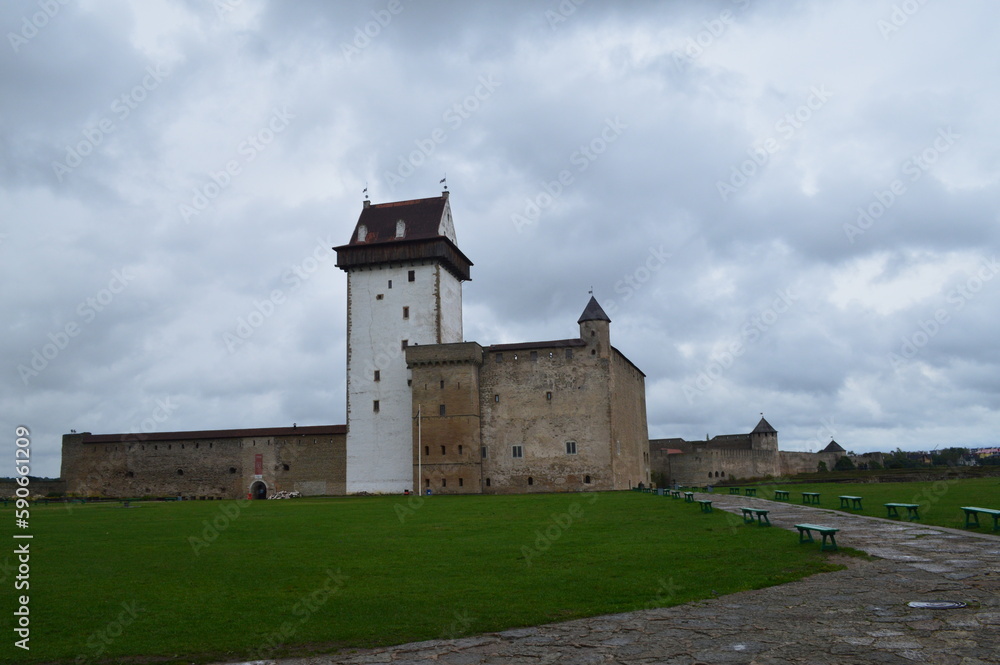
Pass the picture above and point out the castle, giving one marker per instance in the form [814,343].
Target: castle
[426,409]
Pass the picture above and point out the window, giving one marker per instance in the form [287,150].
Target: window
[586,480]
[442,384]
[411,276]
[460,449]
[517,451]
[284,467]
[444,451]
[461,482]
[499,357]
[378,375]
[709,474]
[484,452]
[406,312]
[390,283]
[427,482]
[379,296]
[548,396]
[571,447]
[440,409]
[405,343]
[232,469]
[180,472]
[487,482]
[427,450]
[375,406]
[534,355]
[444,482]
[531,481]
[496,398]
[400,229]
[362,232]
[569,354]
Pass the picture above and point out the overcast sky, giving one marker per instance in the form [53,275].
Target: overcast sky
[785,207]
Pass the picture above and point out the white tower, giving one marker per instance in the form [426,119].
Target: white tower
[404,286]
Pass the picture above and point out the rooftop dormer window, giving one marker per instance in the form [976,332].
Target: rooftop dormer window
[400,229]
[362,232]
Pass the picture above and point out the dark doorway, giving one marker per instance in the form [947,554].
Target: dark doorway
[258,490]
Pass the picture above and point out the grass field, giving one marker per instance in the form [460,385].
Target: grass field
[202,581]
[940,501]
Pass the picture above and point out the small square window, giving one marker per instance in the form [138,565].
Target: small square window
[411,276]
[379,296]
[406,312]
[499,357]
[375,406]
[571,447]
[569,354]
[378,375]
[405,343]
[534,355]
[440,409]
[517,451]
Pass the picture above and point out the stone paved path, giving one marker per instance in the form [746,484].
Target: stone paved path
[857,615]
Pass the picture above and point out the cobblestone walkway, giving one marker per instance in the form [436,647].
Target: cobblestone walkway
[857,615]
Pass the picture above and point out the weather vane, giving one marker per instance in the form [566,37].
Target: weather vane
[444,181]
[365,190]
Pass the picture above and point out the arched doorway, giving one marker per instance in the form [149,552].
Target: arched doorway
[258,490]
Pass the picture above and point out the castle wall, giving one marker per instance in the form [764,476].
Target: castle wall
[205,464]
[541,399]
[629,432]
[795,462]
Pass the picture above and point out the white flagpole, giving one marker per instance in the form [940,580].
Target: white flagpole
[419,457]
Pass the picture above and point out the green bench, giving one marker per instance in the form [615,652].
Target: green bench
[805,530]
[911,510]
[688,497]
[973,513]
[706,505]
[761,515]
[751,491]
[734,490]
[810,497]
[675,494]
[854,501]
[780,495]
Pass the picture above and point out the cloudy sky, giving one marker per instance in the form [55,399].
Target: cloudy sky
[785,207]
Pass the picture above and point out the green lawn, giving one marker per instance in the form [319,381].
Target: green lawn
[940,501]
[110,583]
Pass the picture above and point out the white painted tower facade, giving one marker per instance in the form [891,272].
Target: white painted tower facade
[404,287]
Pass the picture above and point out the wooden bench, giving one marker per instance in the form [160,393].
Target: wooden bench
[706,505]
[810,497]
[805,530]
[854,501]
[734,490]
[751,491]
[973,512]
[780,495]
[675,494]
[911,509]
[749,513]
[688,497]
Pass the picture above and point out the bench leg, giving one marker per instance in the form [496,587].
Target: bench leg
[972,519]
[747,518]
[833,542]
[765,522]
[806,533]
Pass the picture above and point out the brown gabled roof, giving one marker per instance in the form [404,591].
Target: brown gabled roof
[764,427]
[421,216]
[214,434]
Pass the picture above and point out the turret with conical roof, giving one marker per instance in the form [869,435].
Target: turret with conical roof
[595,329]
[763,436]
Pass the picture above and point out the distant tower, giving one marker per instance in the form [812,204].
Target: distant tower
[764,437]
[595,329]
[404,287]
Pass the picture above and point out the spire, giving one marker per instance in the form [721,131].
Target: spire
[764,427]
[593,312]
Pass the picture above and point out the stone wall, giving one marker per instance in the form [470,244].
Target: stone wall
[217,464]
[36,486]
[628,423]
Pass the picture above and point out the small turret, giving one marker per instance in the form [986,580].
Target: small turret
[763,436]
[595,329]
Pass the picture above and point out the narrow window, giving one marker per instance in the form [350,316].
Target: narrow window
[460,449]
[571,447]
[441,409]
[362,232]
[586,479]
[406,312]
[461,482]
[390,283]
[405,343]
[400,229]
[569,354]
[499,357]
[444,482]
[442,384]
[375,406]
[411,276]
[517,451]
[709,474]
[427,450]
[444,451]
[487,482]
[531,481]
[534,355]
[496,398]
[484,452]
[427,482]
[548,396]
[378,375]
